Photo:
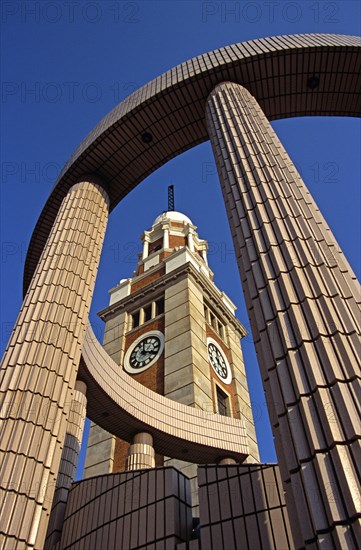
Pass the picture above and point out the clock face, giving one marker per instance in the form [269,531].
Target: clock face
[219,361]
[144,352]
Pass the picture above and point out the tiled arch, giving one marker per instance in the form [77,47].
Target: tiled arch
[280,72]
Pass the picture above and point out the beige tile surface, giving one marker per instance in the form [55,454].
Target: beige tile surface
[40,367]
[301,295]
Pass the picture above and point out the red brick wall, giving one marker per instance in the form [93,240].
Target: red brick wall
[148,279]
[120,454]
[177,240]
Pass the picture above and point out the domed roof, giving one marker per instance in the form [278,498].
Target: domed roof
[173,216]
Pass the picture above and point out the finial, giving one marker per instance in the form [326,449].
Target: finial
[170,198]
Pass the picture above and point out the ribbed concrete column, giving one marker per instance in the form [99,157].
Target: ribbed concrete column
[226,461]
[41,362]
[68,464]
[141,453]
[301,297]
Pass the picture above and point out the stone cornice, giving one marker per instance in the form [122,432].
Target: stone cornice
[213,294]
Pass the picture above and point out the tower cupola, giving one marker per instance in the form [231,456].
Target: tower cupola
[171,232]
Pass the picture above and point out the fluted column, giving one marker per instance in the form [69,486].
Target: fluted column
[165,228]
[140,452]
[302,297]
[41,362]
[68,464]
[146,240]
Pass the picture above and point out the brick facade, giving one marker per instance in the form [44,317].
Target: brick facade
[146,280]
[152,378]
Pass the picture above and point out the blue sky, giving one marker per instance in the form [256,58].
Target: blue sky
[66,65]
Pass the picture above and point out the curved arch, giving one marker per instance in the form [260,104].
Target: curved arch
[297,75]
[123,406]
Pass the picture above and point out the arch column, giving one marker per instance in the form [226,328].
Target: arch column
[141,452]
[225,461]
[68,464]
[301,297]
[40,364]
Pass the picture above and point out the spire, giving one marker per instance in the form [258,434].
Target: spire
[170,198]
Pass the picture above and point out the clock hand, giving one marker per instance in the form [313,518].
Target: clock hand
[221,367]
[142,356]
[149,347]
[139,355]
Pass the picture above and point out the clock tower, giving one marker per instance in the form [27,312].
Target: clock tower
[175,332]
